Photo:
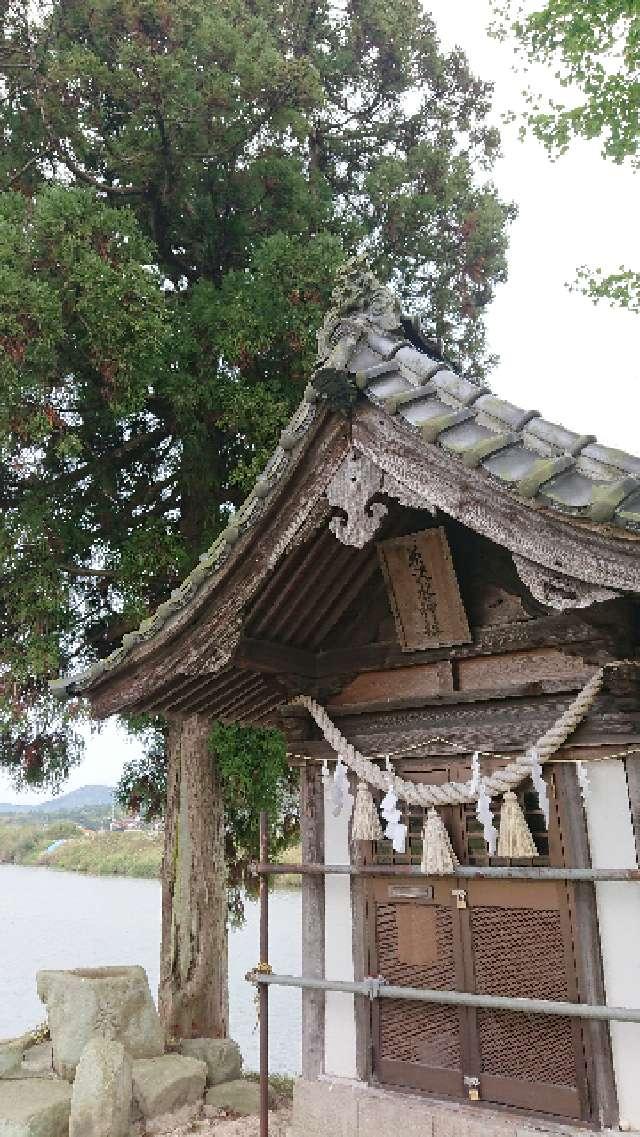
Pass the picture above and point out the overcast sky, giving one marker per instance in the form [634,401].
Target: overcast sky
[576,363]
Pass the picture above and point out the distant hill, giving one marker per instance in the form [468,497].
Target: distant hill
[87,797]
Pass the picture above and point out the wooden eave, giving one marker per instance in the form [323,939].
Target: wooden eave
[196,644]
[247,626]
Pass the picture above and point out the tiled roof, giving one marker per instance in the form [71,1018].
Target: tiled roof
[369,348]
[535,458]
[394,366]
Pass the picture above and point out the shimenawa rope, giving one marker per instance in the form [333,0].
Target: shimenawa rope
[457,793]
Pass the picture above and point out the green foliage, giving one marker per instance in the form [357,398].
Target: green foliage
[621,288]
[594,49]
[105,854]
[179,182]
[255,775]
[142,788]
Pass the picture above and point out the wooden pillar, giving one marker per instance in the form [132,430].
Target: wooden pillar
[632,770]
[361,854]
[576,854]
[312,840]
[193,997]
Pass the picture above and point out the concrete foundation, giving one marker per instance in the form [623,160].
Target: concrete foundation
[334,1107]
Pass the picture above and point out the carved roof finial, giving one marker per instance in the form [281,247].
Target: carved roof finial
[359,304]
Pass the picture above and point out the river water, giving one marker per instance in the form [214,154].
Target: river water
[51,919]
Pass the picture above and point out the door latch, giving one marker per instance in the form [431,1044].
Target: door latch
[472,1086]
[461,897]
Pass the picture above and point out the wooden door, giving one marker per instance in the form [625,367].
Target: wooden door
[508,938]
[417,943]
[519,945]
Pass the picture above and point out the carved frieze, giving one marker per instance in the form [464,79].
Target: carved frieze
[557,590]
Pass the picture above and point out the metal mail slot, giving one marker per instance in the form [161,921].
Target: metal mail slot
[411,892]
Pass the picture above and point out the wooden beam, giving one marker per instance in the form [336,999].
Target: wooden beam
[173,700]
[548,631]
[449,698]
[340,600]
[249,685]
[274,658]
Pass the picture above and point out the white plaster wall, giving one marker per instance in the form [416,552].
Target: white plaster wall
[612,846]
[340,1029]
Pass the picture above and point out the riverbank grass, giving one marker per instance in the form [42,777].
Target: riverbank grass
[100,854]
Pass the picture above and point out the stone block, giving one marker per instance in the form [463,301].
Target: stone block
[102,1094]
[380,1115]
[460,1120]
[105,1002]
[221,1055]
[34,1108]
[166,1084]
[11,1052]
[241,1096]
[38,1061]
[325,1108]
[175,1123]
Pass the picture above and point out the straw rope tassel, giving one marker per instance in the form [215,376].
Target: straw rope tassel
[515,838]
[437,852]
[366,823]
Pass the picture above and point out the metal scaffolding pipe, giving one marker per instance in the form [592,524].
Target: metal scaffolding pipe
[467,872]
[378,989]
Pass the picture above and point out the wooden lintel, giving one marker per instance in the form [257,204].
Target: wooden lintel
[546,631]
[556,630]
[274,658]
[413,702]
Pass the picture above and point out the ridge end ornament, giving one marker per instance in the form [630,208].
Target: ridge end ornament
[360,304]
[351,490]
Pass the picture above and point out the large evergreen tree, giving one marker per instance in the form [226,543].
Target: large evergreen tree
[179,181]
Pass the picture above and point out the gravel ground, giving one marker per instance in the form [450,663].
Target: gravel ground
[279,1126]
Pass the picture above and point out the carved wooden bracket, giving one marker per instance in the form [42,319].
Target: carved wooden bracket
[351,491]
[358,481]
[556,589]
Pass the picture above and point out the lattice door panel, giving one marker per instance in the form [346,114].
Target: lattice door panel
[519,949]
[418,945]
[510,938]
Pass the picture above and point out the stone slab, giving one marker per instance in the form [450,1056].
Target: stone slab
[381,1116]
[166,1084]
[102,1095]
[37,1062]
[174,1123]
[222,1057]
[341,1108]
[325,1108]
[11,1052]
[241,1096]
[34,1108]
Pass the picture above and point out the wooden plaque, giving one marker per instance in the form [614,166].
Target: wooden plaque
[423,591]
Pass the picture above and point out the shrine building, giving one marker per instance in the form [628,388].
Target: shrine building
[437,593]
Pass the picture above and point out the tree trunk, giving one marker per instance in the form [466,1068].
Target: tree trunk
[193,998]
